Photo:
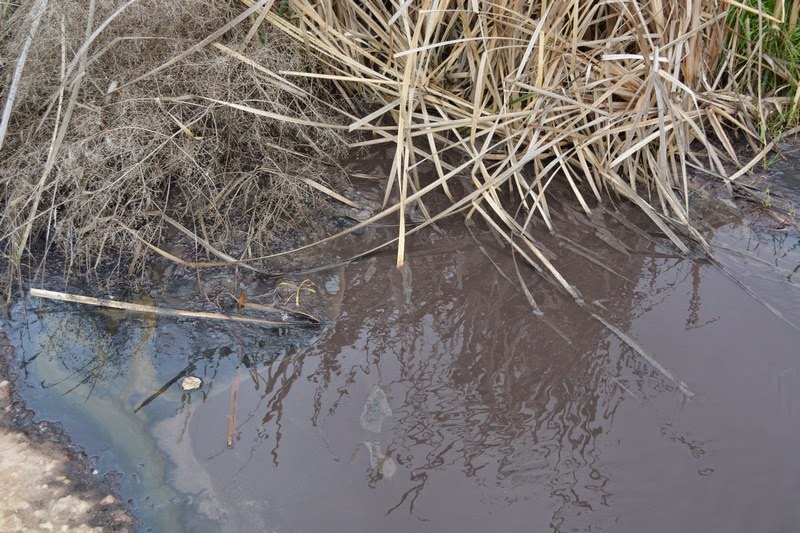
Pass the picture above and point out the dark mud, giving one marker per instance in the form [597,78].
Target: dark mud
[433,398]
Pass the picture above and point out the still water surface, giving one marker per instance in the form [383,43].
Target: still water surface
[437,401]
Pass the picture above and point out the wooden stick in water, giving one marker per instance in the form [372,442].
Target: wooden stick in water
[139,308]
[232,412]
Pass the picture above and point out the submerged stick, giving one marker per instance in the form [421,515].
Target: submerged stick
[139,308]
[165,387]
[684,388]
[232,412]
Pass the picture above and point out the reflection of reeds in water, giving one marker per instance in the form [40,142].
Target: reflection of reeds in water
[508,407]
[277,380]
[76,349]
[474,385]
[518,411]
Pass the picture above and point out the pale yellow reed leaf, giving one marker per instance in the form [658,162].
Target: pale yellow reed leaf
[337,77]
[760,13]
[275,116]
[638,146]
[279,81]
[372,116]
[325,190]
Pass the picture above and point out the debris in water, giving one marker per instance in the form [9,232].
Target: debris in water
[375,410]
[191,383]
[383,465]
[232,412]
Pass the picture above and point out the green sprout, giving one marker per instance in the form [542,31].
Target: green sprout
[767,201]
[305,286]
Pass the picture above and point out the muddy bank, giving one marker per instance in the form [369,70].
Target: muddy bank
[47,482]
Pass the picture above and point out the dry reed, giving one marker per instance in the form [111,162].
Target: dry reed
[621,98]
[116,110]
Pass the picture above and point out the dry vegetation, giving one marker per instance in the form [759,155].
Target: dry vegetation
[91,161]
[603,97]
[161,112]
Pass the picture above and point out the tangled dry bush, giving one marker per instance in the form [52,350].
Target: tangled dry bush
[88,169]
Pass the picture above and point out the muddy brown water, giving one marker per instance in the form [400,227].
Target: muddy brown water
[436,400]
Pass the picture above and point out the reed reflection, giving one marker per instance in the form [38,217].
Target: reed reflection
[476,384]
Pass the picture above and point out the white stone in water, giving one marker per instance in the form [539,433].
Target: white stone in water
[332,285]
[191,383]
[375,410]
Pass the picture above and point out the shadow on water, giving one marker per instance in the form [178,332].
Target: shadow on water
[438,401]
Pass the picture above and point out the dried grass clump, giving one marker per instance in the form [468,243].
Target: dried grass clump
[211,138]
[621,98]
